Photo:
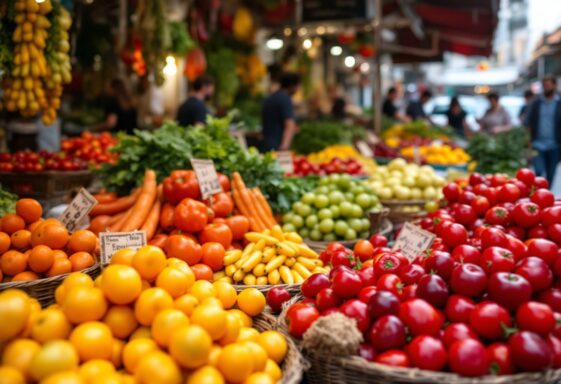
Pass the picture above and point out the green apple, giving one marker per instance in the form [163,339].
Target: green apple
[350,235]
[363,200]
[341,227]
[326,225]
[325,213]
[321,201]
[308,198]
[311,221]
[429,193]
[315,235]
[303,210]
[297,221]
[288,227]
[336,197]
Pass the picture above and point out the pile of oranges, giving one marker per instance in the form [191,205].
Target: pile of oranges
[31,248]
[145,319]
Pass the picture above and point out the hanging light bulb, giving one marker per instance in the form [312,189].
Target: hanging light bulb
[307,44]
[349,61]
[274,44]
[170,68]
[336,50]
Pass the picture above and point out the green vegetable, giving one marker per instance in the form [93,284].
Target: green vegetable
[317,135]
[181,42]
[222,66]
[505,152]
[7,202]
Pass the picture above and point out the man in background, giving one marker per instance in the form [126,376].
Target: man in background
[390,110]
[415,109]
[528,99]
[277,114]
[193,111]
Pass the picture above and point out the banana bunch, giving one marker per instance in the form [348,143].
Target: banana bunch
[271,257]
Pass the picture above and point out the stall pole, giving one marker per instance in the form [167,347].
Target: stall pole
[377,86]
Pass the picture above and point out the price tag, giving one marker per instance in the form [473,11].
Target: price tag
[79,208]
[371,138]
[284,159]
[207,177]
[412,241]
[111,242]
[364,149]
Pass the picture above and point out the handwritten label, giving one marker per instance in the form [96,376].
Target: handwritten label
[111,242]
[207,177]
[372,138]
[78,209]
[364,148]
[284,159]
[412,241]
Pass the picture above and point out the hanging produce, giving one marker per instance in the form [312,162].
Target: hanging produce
[243,26]
[195,63]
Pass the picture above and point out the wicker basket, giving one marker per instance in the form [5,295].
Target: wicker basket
[44,289]
[398,210]
[293,364]
[292,288]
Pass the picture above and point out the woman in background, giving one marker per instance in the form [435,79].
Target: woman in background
[457,117]
[496,119]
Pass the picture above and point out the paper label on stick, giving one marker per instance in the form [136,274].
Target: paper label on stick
[364,148]
[207,177]
[284,158]
[111,242]
[412,240]
[79,208]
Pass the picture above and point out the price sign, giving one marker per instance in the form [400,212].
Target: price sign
[412,241]
[111,242]
[372,138]
[284,159]
[79,208]
[364,149]
[207,177]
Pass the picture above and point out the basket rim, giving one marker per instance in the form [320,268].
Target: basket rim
[49,172]
[46,280]
[241,287]
[393,202]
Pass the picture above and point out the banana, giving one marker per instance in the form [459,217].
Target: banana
[249,279]
[259,270]
[294,237]
[298,279]
[268,254]
[286,275]
[254,237]
[261,280]
[310,264]
[274,277]
[320,270]
[218,275]
[303,271]
[290,261]
[277,233]
[252,261]
[306,251]
[260,245]
[247,250]
[238,276]
[232,256]
[226,279]
[275,263]
[230,270]
[285,249]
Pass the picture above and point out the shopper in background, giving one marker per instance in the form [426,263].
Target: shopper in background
[277,114]
[390,110]
[496,119]
[457,117]
[544,121]
[528,99]
[415,109]
[193,111]
[120,110]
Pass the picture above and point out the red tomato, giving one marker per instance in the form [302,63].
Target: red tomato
[554,232]
[383,303]
[509,289]
[543,197]
[276,297]
[314,284]
[526,176]
[393,358]
[366,293]
[459,308]
[498,216]
[181,184]
[299,318]
[468,280]
[219,233]
[451,192]
[386,263]
[389,282]
[509,193]
[526,214]
[326,299]
[499,359]
[356,309]
[544,249]
[536,271]
[378,240]
[535,317]
[388,332]
[480,205]
[411,273]
[476,178]
[554,345]
[239,225]
[367,352]
[529,351]
[346,283]
[551,215]
[464,214]
[467,358]
[182,247]
[496,259]
[427,352]
[420,317]
[488,320]
[466,254]
[222,204]
[441,263]
[493,237]
[364,250]
[366,274]
[213,255]
[433,289]
[551,297]
[541,182]
[457,331]
[190,215]
[224,182]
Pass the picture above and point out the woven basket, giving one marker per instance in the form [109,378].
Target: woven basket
[292,288]
[398,213]
[44,289]
[293,364]
[319,246]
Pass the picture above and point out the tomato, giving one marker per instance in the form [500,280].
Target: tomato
[411,273]
[179,185]
[341,258]
[378,240]
[433,289]
[383,303]
[526,214]
[551,215]
[509,289]
[389,282]
[299,318]
[276,297]
[451,192]
[488,319]
[326,299]
[554,345]
[557,330]
[544,249]
[346,283]
[526,176]
[356,309]
[441,263]
[496,259]
[492,195]
[551,297]
[388,332]
[476,178]
[314,284]
[464,214]
[213,255]
[224,182]
[541,182]
[493,237]
[466,197]
[517,232]
[499,359]
[498,179]
[468,280]
[386,263]
[183,248]
[467,358]
[239,225]
[529,351]
[509,193]
[498,216]
[554,232]
[480,205]
[190,215]
[219,233]
[466,254]
[535,317]
[457,331]
[427,352]
[543,198]
[420,317]
[459,308]
[367,276]
[222,204]
[536,271]
[366,293]
[517,247]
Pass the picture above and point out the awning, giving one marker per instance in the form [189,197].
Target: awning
[471,77]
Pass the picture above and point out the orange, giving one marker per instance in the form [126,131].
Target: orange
[121,321]
[165,323]
[258,354]
[134,350]
[13,262]
[247,333]
[19,353]
[55,356]
[259,378]
[91,370]
[29,210]
[81,261]
[274,344]
[186,303]
[212,319]
[31,227]
[50,324]
[12,223]
[83,304]
[15,308]
[214,355]
[190,346]
[202,289]
[149,262]
[206,375]
[212,301]
[58,254]
[25,276]
[233,326]
[92,340]
[64,377]
[11,375]
[82,241]
[175,281]
[157,367]
[141,332]
[21,239]
[61,265]
[35,309]
[246,320]
[73,280]
[235,362]
[272,369]
[149,303]
[121,284]
[50,233]
[117,353]
[41,259]
[251,301]
[123,256]
[5,242]
[226,293]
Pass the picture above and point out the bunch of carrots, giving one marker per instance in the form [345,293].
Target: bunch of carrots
[252,204]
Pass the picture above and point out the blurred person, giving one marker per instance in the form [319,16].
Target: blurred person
[120,109]
[193,111]
[415,110]
[544,122]
[496,119]
[151,111]
[528,98]
[390,110]
[277,114]
[457,117]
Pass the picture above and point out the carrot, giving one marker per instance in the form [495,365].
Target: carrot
[250,203]
[117,206]
[153,218]
[264,208]
[99,224]
[116,217]
[105,197]
[166,217]
[117,225]
[240,204]
[246,200]
[141,209]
